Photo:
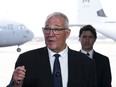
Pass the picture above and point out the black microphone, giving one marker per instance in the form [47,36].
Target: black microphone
[58,74]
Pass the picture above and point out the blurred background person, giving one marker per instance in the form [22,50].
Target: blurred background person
[87,38]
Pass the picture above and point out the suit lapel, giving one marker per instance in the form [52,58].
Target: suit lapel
[47,75]
[74,69]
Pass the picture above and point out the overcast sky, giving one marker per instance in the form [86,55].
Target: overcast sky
[32,13]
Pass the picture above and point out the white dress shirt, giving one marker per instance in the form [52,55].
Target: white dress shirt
[90,53]
[63,64]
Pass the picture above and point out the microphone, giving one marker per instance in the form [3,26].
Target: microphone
[58,74]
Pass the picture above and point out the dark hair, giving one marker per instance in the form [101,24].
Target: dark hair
[88,28]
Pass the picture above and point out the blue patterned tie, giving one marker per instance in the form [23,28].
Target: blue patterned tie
[57,72]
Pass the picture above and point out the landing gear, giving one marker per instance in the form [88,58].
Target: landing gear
[18,49]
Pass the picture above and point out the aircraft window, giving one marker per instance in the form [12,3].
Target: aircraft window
[21,27]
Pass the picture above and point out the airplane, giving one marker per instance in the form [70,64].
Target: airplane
[14,33]
[91,12]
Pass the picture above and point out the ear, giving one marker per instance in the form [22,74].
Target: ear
[94,40]
[67,33]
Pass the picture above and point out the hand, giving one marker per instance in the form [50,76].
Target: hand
[19,75]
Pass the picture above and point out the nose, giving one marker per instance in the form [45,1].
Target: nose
[51,33]
[29,34]
[87,39]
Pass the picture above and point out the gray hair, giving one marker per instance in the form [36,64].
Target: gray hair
[61,15]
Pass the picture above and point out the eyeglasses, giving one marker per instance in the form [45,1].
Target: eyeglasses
[54,30]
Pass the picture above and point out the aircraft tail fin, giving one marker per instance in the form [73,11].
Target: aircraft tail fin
[89,11]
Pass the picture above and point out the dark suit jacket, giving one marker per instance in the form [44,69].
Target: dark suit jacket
[81,70]
[103,70]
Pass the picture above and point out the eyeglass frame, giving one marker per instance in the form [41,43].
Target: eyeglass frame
[54,30]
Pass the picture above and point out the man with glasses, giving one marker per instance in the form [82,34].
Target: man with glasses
[54,65]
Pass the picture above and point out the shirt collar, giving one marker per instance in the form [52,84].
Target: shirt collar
[90,52]
[62,53]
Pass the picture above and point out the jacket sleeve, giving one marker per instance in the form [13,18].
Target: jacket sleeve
[10,84]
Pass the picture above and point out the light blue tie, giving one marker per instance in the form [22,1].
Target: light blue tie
[57,72]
